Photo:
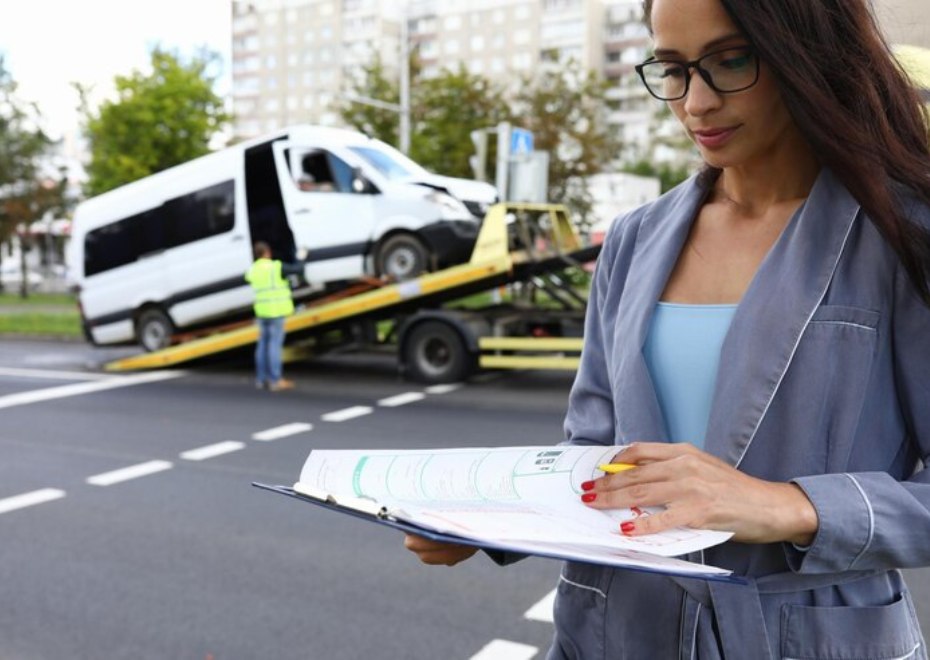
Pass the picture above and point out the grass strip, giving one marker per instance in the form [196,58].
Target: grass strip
[13,298]
[67,324]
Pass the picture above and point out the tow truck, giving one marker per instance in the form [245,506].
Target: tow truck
[431,322]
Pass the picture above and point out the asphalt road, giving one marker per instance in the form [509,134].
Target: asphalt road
[191,561]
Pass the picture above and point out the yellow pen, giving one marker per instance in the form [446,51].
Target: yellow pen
[614,468]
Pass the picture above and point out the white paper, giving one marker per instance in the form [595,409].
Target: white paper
[527,497]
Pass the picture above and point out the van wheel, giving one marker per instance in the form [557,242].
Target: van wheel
[402,257]
[435,353]
[154,329]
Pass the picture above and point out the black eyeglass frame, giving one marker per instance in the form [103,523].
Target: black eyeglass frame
[704,73]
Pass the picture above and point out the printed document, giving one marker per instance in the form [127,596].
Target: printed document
[524,498]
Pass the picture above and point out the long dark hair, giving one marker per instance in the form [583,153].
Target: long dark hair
[857,109]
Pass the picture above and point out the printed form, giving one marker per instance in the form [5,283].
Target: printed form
[525,497]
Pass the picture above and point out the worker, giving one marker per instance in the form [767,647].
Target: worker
[273,304]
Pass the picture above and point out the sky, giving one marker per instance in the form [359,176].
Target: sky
[47,44]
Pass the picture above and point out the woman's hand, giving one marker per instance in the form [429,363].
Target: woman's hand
[437,553]
[701,491]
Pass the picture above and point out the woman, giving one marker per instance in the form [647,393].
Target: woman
[760,337]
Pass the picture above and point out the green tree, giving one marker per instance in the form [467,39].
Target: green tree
[372,83]
[159,119]
[25,194]
[565,110]
[446,109]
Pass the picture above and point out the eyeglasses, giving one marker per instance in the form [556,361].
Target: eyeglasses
[725,71]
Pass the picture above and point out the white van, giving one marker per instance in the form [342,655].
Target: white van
[168,252]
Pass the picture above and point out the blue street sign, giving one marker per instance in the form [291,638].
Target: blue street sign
[521,141]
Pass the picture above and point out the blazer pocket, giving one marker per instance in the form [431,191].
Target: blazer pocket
[828,382]
[580,612]
[850,633]
[853,317]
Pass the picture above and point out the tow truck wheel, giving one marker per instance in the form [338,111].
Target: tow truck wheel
[402,257]
[435,353]
[154,329]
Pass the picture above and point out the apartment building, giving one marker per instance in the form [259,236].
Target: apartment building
[292,58]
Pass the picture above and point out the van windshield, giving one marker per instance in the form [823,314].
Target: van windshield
[391,167]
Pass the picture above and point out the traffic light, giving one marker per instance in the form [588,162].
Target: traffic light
[479,161]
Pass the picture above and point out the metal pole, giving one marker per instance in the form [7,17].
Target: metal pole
[503,160]
[404,83]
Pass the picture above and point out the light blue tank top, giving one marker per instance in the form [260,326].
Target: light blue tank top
[682,351]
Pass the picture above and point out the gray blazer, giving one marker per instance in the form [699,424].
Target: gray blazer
[824,380]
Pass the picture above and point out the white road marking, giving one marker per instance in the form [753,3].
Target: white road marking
[542,611]
[30,499]
[347,413]
[211,451]
[48,373]
[47,394]
[401,399]
[281,431]
[443,389]
[501,649]
[131,472]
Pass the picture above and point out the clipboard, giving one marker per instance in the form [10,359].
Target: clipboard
[380,516]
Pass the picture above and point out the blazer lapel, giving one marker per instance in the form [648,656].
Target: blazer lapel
[661,237]
[776,308]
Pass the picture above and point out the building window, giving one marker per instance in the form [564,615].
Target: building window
[453,22]
[522,61]
[429,49]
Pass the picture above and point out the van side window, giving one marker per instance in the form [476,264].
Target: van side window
[342,173]
[109,247]
[315,174]
[201,214]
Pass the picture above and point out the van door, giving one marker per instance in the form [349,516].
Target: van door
[209,255]
[332,223]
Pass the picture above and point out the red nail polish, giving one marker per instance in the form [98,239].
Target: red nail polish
[588,485]
[589,497]
[627,527]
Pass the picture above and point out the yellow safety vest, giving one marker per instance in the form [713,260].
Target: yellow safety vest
[272,291]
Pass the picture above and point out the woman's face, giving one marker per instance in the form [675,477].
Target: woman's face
[730,130]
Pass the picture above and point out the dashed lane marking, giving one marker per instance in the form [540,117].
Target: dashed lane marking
[501,649]
[279,432]
[401,399]
[47,394]
[30,499]
[48,373]
[131,472]
[443,389]
[542,611]
[347,414]
[211,451]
